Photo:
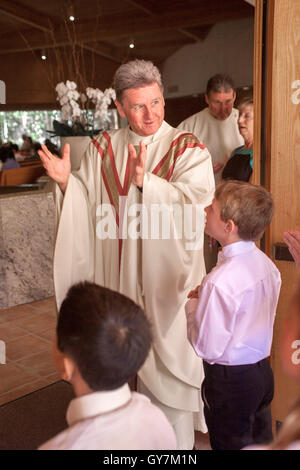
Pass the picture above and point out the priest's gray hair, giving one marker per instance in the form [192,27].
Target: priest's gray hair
[135,74]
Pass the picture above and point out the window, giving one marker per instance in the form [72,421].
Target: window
[13,124]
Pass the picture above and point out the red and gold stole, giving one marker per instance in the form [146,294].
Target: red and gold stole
[166,166]
[164,169]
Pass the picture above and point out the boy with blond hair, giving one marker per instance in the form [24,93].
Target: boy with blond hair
[230,319]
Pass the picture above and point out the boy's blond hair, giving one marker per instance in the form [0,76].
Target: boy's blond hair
[250,207]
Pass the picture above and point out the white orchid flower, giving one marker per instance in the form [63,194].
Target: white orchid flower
[61,88]
[66,112]
[68,96]
[71,85]
[63,100]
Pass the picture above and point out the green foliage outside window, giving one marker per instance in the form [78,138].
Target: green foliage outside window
[13,124]
[37,124]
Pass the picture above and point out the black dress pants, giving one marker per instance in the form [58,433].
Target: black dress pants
[237,404]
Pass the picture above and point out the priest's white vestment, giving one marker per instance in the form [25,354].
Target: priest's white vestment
[108,232]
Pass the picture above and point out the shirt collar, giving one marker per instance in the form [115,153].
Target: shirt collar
[96,403]
[235,249]
[135,139]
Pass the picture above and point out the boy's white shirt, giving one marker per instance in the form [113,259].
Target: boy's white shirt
[231,323]
[115,419]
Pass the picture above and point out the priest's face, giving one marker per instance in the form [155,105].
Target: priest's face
[144,108]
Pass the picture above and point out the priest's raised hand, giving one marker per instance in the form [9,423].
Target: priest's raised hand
[137,164]
[58,169]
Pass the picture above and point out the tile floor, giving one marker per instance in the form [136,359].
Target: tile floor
[27,331]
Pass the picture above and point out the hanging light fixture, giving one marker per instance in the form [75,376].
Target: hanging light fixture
[71,14]
[43,55]
[131,43]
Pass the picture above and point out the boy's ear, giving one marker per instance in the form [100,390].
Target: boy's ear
[63,364]
[230,227]
[68,369]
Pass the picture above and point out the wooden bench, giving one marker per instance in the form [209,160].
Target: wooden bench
[24,175]
[32,162]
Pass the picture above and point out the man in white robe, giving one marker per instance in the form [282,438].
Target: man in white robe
[109,232]
[216,126]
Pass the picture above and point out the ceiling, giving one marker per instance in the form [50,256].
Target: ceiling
[105,27]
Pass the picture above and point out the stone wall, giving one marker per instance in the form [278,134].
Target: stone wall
[26,247]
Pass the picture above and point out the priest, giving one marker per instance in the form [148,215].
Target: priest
[132,219]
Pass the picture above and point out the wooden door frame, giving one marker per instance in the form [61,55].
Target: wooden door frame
[274,55]
[262,96]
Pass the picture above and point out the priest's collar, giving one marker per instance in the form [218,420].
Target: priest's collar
[135,139]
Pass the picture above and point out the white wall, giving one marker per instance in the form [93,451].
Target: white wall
[228,48]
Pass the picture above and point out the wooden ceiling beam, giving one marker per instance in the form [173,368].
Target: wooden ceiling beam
[141,7]
[189,34]
[200,33]
[103,51]
[111,28]
[25,15]
[142,43]
[151,13]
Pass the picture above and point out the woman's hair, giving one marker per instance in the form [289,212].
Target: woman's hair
[247,101]
[135,74]
[250,207]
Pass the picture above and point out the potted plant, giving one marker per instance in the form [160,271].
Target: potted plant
[78,122]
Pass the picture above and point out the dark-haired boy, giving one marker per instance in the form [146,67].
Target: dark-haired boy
[102,340]
[230,319]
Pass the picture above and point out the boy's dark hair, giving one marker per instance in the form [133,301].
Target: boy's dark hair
[106,334]
[250,207]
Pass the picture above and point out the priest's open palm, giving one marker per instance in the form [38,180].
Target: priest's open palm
[58,169]
[137,163]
